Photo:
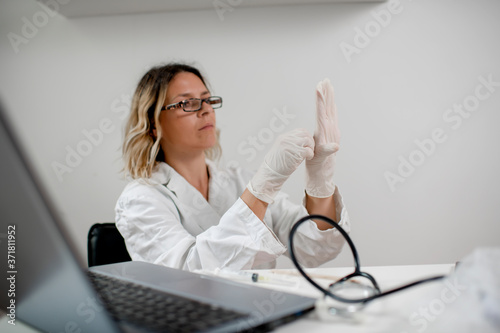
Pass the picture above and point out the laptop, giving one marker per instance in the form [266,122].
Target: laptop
[47,285]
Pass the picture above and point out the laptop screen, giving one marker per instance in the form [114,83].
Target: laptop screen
[44,282]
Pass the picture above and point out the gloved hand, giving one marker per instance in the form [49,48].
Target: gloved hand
[288,151]
[319,169]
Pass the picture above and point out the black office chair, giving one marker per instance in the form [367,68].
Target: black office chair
[105,245]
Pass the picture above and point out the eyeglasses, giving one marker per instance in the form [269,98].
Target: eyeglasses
[195,104]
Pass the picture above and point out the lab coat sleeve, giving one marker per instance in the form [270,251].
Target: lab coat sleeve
[312,246]
[153,233]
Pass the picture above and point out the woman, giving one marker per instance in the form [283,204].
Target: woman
[182,211]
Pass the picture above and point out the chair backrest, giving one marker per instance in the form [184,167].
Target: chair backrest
[105,245]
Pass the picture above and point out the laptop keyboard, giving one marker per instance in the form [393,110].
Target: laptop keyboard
[156,310]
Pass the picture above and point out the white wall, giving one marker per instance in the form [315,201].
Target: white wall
[72,75]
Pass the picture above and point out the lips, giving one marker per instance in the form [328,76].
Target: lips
[206,126]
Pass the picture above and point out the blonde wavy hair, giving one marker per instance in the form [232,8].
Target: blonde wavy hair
[141,150]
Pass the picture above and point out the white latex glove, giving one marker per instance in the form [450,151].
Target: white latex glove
[319,169]
[286,154]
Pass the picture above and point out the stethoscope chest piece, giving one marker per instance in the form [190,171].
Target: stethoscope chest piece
[330,309]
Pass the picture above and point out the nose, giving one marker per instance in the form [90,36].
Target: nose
[205,109]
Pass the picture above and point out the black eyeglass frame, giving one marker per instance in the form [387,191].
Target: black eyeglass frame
[207,100]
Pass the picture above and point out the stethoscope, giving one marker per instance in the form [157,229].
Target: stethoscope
[351,296]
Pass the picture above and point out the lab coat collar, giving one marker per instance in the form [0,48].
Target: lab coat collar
[187,194]
[166,175]
[162,173]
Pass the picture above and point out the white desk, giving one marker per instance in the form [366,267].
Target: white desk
[390,314]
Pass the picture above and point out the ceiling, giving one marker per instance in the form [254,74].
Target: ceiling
[82,8]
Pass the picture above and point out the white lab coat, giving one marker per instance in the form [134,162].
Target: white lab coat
[165,220]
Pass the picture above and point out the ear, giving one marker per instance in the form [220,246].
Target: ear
[152,130]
